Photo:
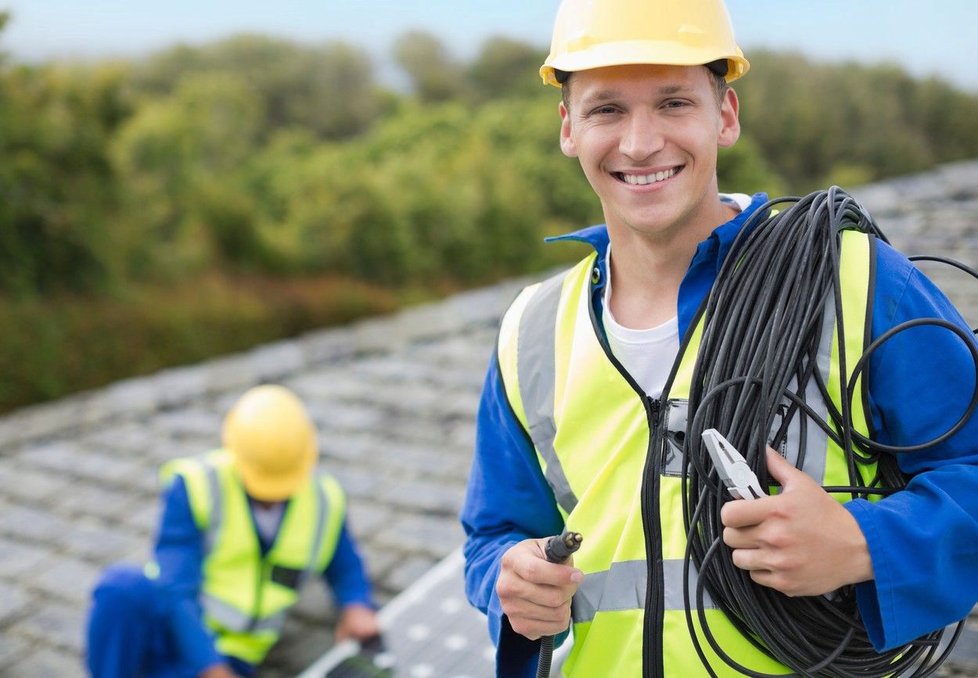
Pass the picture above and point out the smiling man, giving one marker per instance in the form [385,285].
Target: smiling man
[585,398]
[647,140]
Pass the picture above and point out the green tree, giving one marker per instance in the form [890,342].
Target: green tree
[329,90]
[817,123]
[180,157]
[505,68]
[434,75]
[57,189]
[4,20]
[742,168]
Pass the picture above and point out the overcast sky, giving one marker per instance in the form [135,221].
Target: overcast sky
[936,37]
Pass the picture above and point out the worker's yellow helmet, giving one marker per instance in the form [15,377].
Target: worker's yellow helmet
[272,441]
[597,33]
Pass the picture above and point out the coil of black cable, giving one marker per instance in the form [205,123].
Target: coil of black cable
[757,360]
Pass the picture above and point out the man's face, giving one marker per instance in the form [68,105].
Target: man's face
[647,140]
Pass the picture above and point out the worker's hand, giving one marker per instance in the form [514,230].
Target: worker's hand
[218,671]
[535,594]
[801,541]
[357,622]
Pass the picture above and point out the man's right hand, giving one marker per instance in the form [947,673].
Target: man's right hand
[218,671]
[536,594]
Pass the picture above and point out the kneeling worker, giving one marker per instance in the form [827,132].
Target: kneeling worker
[243,527]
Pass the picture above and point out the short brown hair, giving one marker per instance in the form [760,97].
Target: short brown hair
[717,69]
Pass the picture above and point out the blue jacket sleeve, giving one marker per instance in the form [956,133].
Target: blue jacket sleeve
[179,554]
[507,500]
[346,574]
[923,540]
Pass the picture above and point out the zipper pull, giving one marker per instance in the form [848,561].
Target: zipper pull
[655,406]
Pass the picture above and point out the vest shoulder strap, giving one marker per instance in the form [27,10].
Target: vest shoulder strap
[527,365]
[334,514]
[201,477]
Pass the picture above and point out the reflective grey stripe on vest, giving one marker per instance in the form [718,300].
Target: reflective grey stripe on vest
[231,619]
[317,542]
[216,506]
[623,587]
[536,373]
[816,445]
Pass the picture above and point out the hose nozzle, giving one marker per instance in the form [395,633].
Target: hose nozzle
[560,547]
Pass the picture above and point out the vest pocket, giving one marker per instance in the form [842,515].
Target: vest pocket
[675,438]
[286,576]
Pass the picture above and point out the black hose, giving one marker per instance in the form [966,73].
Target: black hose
[763,322]
[546,656]
[557,549]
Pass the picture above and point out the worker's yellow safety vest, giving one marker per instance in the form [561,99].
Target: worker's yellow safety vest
[245,596]
[592,431]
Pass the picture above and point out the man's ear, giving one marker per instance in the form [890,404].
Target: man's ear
[729,119]
[567,145]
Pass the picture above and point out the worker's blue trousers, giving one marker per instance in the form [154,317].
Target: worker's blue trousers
[128,634]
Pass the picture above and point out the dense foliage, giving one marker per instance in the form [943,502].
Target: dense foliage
[259,164]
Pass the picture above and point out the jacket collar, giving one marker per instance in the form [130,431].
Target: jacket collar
[703,268]
[723,235]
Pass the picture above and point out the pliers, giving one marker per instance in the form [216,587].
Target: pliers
[731,466]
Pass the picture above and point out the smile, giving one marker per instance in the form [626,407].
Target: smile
[646,179]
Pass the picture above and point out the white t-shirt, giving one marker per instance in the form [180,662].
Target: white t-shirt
[647,354]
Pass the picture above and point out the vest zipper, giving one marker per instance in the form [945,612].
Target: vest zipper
[654,594]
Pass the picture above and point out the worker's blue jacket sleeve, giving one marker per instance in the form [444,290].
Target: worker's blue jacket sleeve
[923,540]
[346,573]
[179,554]
[508,501]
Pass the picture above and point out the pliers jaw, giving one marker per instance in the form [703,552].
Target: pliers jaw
[731,467]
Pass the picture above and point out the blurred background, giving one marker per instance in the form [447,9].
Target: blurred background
[180,180]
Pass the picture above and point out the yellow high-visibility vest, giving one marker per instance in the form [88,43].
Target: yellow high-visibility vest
[594,433]
[245,596]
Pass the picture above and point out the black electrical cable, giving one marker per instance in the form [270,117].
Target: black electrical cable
[949,262]
[756,367]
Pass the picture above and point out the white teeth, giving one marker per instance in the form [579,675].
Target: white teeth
[644,179]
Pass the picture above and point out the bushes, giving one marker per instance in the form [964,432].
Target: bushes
[68,344]
[58,194]
[432,195]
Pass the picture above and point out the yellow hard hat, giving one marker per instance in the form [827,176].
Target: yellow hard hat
[597,33]
[272,441]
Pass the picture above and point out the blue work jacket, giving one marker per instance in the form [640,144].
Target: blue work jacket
[923,540]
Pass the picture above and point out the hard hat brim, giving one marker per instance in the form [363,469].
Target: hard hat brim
[640,52]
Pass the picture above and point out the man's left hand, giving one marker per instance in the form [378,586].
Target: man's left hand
[801,541]
[357,622]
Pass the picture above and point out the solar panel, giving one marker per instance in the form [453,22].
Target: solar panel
[428,631]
